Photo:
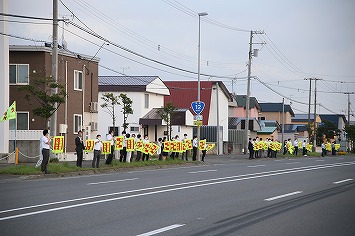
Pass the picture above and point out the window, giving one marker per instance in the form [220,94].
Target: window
[78,80]
[22,121]
[134,129]
[114,129]
[146,100]
[19,74]
[78,119]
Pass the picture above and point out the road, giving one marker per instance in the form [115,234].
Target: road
[303,196]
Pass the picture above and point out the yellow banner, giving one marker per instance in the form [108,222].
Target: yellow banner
[309,147]
[146,148]
[167,146]
[106,147]
[130,144]
[153,148]
[210,146]
[119,143]
[328,147]
[202,144]
[10,113]
[139,145]
[188,143]
[58,144]
[89,145]
[337,146]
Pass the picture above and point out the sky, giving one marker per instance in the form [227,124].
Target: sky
[296,39]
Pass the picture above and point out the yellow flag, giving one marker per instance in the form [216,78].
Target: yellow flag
[10,113]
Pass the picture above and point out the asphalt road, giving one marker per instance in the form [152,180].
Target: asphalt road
[303,196]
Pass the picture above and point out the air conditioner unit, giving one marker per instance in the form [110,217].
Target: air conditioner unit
[93,126]
[93,107]
[63,128]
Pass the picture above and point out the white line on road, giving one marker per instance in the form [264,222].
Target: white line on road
[112,181]
[342,181]
[199,183]
[201,171]
[158,231]
[282,196]
[256,166]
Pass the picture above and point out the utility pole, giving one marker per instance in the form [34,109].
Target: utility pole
[309,102]
[315,114]
[348,123]
[53,120]
[283,122]
[247,102]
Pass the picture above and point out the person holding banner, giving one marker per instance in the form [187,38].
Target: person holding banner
[186,152]
[194,148]
[164,153]
[79,148]
[304,150]
[203,150]
[145,155]
[138,142]
[97,152]
[46,146]
[110,138]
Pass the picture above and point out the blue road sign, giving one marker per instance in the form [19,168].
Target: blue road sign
[197,107]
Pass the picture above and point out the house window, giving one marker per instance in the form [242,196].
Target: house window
[22,121]
[134,129]
[262,118]
[146,100]
[78,80]
[19,74]
[78,119]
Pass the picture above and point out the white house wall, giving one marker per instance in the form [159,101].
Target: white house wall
[138,106]
[223,111]
[158,87]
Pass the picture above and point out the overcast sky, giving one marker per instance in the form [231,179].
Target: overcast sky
[302,39]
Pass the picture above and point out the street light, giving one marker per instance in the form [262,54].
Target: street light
[198,74]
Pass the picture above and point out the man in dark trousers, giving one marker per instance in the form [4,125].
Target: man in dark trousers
[79,149]
[251,149]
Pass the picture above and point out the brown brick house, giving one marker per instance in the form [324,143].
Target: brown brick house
[81,73]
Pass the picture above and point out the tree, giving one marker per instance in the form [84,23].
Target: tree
[327,129]
[41,90]
[126,109]
[167,113]
[110,101]
[350,133]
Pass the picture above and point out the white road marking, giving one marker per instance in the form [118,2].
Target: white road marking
[112,181]
[202,171]
[256,166]
[158,231]
[282,196]
[201,184]
[342,181]
[175,168]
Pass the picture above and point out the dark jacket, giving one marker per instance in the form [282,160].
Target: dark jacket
[79,144]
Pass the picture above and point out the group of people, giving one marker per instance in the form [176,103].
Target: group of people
[331,147]
[129,156]
[259,148]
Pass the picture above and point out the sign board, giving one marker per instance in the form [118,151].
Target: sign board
[197,107]
[198,117]
[198,122]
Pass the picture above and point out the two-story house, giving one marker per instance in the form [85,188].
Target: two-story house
[146,93]
[76,72]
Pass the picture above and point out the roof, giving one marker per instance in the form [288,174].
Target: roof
[269,123]
[266,130]
[291,128]
[126,80]
[302,117]
[132,84]
[276,107]
[153,117]
[183,93]
[241,101]
[333,118]
[61,51]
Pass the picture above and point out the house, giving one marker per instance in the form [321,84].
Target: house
[339,120]
[147,94]
[237,106]
[273,111]
[76,72]
[214,94]
[269,129]
[302,119]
